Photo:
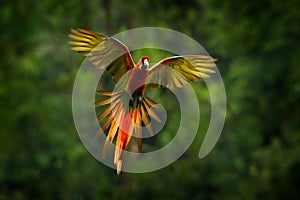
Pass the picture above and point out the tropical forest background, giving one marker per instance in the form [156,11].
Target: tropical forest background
[258,154]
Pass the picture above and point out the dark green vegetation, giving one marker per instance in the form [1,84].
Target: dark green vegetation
[258,154]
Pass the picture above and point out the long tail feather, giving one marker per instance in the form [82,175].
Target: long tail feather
[123,120]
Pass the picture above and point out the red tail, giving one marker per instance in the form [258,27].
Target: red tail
[124,135]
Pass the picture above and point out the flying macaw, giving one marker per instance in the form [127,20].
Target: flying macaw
[122,119]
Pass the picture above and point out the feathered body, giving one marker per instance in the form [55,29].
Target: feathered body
[128,109]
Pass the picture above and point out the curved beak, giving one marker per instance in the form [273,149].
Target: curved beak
[146,63]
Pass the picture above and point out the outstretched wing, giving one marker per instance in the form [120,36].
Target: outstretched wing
[102,51]
[177,71]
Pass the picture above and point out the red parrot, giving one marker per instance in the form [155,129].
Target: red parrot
[122,119]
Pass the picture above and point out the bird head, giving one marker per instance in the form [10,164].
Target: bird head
[143,63]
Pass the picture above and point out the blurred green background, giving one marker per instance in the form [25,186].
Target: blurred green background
[258,154]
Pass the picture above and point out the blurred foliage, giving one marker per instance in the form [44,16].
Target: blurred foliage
[258,155]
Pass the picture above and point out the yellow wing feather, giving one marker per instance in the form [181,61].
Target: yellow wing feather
[177,71]
[103,52]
